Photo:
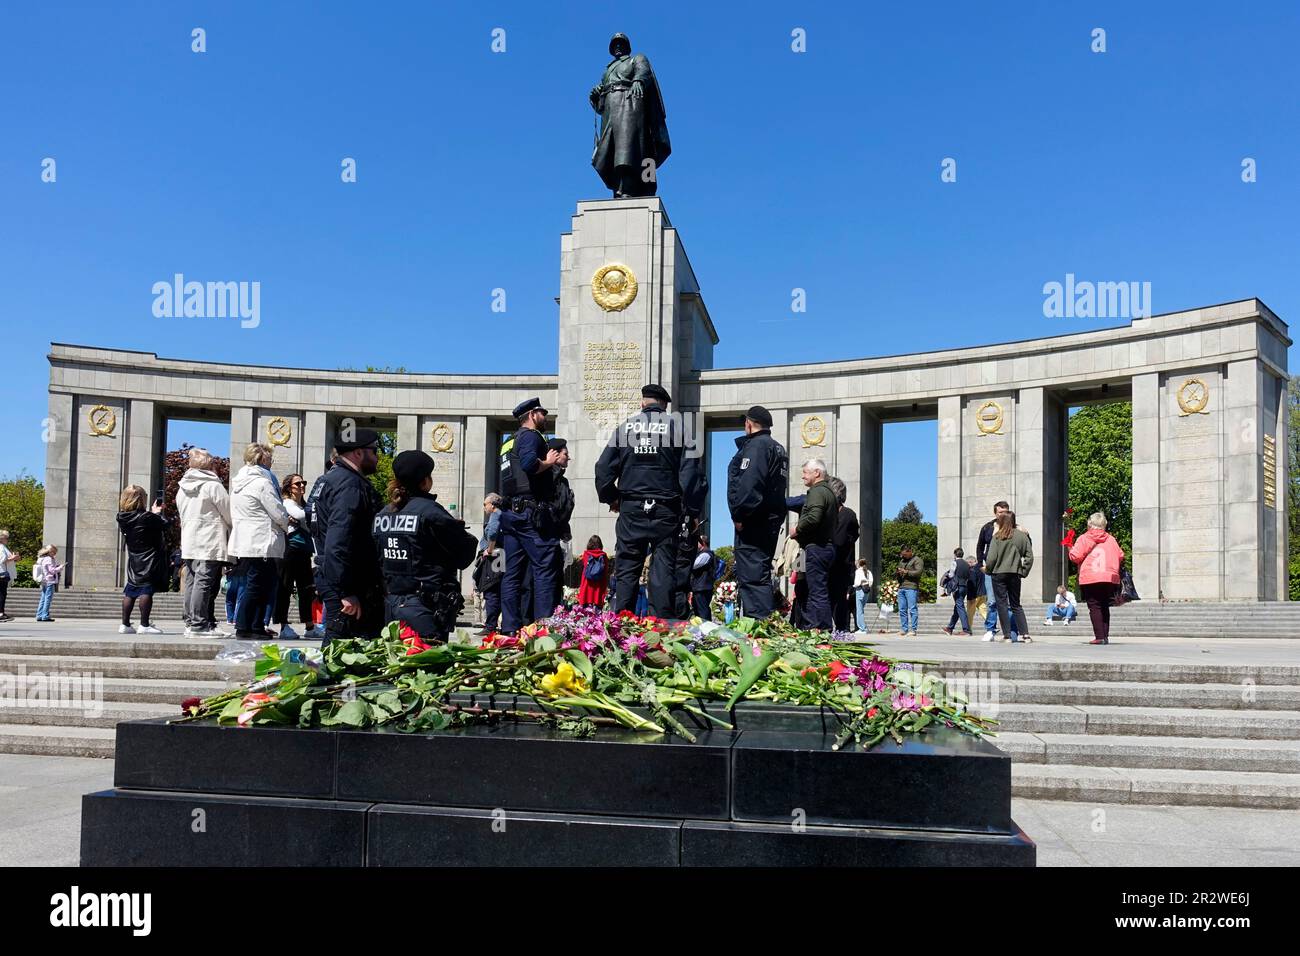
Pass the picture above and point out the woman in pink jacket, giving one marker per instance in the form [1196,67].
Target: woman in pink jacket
[1098,556]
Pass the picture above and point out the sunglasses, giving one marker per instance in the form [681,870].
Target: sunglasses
[297,484]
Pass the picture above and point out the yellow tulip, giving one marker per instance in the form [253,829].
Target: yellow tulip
[564,681]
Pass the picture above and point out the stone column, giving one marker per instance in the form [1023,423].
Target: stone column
[1244,427]
[1193,469]
[60,446]
[781,433]
[100,469]
[408,432]
[1144,562]
[143,460]
[314,446]
[241,433]
[848,459]
[949,500]
[871,485]
[477,463]
[1039,473]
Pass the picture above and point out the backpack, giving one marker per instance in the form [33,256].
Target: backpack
[719,568]
[36,573]
[595,570]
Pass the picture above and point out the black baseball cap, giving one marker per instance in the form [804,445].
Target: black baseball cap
[759,415]
[657,392]
[412,467]
[361,438]
[523,408]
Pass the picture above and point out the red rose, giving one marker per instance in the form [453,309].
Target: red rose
[407,632]
[189,702]
[873,711]
[838,668]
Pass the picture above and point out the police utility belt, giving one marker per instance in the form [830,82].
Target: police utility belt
[522,503]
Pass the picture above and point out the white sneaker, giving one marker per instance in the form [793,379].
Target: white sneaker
[988,636]
[125,629]
[194,632]
[287,633]
[148,629]
[216,630]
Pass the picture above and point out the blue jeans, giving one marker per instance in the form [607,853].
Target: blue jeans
[907,612]
[860,596]
[990,619]
[1055,613]
[47,595]
[234,588]
[959,610]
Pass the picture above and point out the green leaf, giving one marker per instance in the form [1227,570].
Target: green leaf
[751,669]
[354,713]
[580,661]
[352,658]
[230,712]
[543,644]
[797,659]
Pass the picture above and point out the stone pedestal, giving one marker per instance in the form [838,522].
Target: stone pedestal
[610,348]
[519,794]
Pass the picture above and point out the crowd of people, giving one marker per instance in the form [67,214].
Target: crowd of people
[355,561]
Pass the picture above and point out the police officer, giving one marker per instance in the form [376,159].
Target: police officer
[421,549]
[527,534]
[651,481]
[756,491]
[559,510]
[347,570]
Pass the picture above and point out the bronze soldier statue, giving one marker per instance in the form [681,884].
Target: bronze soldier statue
[633,139]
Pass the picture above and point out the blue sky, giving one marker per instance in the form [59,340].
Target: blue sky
[817,170]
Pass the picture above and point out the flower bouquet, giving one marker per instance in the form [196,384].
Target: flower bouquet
[585,668]
[724,594]
[887,596]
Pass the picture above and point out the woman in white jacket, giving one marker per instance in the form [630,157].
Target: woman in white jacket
[258,522]
[204,507]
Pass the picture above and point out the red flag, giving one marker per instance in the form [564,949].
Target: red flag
[1068,540]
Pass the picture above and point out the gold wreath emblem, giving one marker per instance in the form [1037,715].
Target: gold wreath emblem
[613,287]
[989,418]
[278,431]
[813,431]
[102,420]
[1193,396]
[443,437]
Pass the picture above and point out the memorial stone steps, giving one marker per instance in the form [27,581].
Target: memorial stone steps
[1096,730]
[1279,619]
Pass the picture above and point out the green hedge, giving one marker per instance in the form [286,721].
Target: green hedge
[24,576]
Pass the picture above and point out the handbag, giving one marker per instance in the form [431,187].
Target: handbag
[1127,591]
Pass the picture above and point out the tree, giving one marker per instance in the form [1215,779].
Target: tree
[22,514]
[1101,469]
[922,538]
[728,554]
[384,470]
[910,514]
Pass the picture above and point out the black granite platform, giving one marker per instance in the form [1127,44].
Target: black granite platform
[516,793]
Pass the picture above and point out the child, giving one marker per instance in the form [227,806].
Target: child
[46,573]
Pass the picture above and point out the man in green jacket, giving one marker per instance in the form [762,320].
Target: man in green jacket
[815,533]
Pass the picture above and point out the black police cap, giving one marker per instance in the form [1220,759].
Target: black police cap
[412,467]
[759,415]
[523,408]
[361,438]
[657,392]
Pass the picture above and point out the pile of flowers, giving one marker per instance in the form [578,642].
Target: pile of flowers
[584,668]
[724,592]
